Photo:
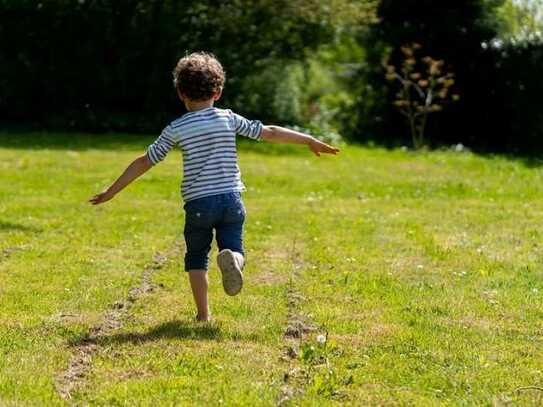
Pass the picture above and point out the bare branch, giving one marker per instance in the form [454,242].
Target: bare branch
[419,91]
[429,98]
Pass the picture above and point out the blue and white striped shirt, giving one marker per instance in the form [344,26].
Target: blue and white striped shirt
[207,139]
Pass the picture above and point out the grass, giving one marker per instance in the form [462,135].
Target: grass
[424,270]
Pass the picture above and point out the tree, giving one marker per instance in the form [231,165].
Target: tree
[424,88]
[522,19]
[105,64]
[452,30]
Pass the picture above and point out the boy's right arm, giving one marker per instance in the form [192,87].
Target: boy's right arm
[276,134]
[155,153]
[135,169]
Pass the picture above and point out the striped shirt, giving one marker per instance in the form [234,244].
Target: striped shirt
[207,139]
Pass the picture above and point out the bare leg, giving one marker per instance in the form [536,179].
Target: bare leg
[199,283]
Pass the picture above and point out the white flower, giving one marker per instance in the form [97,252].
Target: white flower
[321,339]
[459,148]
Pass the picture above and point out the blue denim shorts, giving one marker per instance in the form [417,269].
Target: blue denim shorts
[224,213]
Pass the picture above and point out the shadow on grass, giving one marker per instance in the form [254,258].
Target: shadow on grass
[74,141]
[175,329]
[117,141]
[17,227]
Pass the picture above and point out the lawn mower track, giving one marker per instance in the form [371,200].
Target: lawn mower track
[8,251]
[296,326]
[80,363]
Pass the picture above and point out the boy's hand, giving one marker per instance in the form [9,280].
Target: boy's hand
[319,147]
[101,197]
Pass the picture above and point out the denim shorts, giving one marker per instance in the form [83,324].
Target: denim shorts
[225,213]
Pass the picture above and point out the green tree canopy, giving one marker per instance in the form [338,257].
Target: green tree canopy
[80,61]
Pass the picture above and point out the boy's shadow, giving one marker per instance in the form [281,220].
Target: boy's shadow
[176,329]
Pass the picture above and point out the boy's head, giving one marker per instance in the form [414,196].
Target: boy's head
[199,77]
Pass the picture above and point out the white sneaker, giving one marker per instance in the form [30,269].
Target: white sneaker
[232,277]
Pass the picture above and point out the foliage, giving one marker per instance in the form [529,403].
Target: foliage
[83,64]
[517,119]
[321,375]
[522,19]
[315,94]
[423,89]
[450,30]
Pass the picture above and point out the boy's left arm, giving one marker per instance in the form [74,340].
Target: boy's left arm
[277,134]
[136,168]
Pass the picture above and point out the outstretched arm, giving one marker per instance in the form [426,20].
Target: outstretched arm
[136,168]
[276,134]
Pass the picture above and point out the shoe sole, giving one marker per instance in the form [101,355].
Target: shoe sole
[232,277]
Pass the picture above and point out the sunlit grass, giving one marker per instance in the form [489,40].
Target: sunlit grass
[424,269]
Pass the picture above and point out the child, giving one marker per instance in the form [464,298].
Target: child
[211,178]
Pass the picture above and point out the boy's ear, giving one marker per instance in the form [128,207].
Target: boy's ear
[180,94]
[218,95]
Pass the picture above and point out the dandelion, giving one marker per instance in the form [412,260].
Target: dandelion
[321,339]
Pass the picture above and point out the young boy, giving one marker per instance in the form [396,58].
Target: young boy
[211,177]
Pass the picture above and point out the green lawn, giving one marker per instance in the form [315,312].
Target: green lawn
[424,270]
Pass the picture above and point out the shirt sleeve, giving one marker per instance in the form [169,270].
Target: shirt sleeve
[162,146]
[245,127]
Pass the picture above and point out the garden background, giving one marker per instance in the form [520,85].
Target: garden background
[382,276]
[105,65]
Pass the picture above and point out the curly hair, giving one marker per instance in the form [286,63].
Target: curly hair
[198,76]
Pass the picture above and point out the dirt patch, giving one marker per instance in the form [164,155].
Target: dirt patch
[267,277]
[297,326]
[268,274]
[80,363]
[379,330]
[374,334]
[8,251]
[473,322]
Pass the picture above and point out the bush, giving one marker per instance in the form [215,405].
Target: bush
[516,123]
[451,30]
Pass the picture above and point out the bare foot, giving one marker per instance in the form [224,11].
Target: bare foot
[206,318]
